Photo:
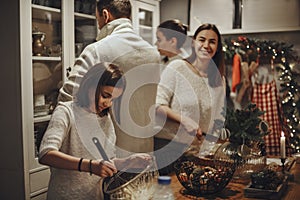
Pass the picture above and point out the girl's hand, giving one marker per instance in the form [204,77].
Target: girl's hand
[139,160]
[103,168]
[199,134]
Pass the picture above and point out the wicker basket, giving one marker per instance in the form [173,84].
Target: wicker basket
[131,184]
[203,176]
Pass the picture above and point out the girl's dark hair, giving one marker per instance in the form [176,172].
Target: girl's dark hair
[118,8]
[174,28]
[215,74]
[100,75]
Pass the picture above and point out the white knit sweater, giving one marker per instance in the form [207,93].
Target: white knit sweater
[187,93]
[70,131]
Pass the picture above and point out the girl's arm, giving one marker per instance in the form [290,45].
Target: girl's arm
[61,160]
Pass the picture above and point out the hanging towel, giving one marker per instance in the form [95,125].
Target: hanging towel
[236,71]
[265,96]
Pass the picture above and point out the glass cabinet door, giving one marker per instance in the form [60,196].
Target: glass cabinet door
[85,24]
[47,63]
[145,19]
[146,24]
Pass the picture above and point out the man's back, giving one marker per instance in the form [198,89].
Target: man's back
[139,60]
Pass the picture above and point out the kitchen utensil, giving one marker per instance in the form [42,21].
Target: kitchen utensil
[100,148]
[134,184]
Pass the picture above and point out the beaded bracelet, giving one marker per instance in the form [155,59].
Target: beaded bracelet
[79,164]
[90,167]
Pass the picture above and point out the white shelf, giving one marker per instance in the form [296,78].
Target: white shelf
[85,16]
[44,118]
[45,8]
[46,58]
[46,13]
[145,27]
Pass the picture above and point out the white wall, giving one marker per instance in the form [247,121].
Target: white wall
[171,9]
[218,12]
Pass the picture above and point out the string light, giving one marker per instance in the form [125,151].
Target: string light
[290,99]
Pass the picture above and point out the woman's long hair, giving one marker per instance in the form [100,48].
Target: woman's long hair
[216,68]
[100,75]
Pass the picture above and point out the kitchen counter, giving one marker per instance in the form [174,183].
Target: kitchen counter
[235,189]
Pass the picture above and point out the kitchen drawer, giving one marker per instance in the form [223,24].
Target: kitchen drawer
[42,196]
[39,180]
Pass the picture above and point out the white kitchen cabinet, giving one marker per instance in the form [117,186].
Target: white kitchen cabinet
[145,18]
[256,15]
[67,27]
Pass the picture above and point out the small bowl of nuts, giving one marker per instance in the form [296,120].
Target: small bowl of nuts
[203,176]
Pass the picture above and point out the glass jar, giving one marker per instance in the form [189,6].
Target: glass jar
[247,158]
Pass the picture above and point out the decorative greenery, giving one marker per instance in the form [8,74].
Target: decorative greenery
[266,179]
[289,76]
[266,50]
[246,126]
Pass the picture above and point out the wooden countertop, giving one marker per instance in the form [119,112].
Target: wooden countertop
[235,189]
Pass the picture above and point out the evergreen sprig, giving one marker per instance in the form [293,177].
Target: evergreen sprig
[266,50]
[245,125]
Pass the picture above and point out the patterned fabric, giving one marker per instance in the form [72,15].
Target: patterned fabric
[266,98]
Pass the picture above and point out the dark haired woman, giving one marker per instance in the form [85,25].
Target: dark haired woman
[171,35]
[77,169]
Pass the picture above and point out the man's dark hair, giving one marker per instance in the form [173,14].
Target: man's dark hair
[118,8]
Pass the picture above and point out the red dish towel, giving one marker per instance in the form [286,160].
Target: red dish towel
[266,98]
[236,71]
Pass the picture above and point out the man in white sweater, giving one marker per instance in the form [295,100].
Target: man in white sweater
[119,44]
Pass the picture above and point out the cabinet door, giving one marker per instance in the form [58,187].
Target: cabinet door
[60,31]
[47,32]
[47,65]
[85,24]
[146,19]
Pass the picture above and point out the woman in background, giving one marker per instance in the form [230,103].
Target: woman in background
[171,35]
[190,97]
[77,169]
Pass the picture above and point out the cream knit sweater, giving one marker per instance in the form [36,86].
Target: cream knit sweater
[187,93]
[139,60]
